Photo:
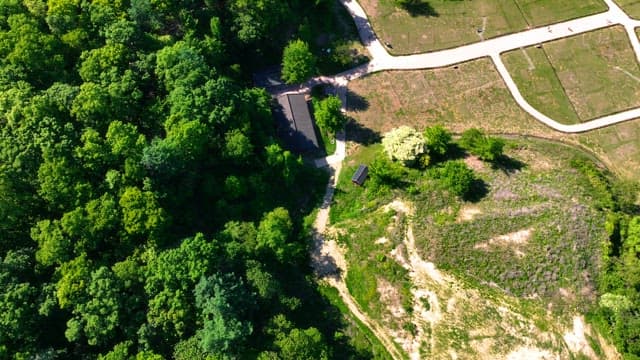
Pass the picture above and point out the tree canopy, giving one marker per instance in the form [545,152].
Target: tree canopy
[298,63]
[328,114]
[148,209]
[487,148]
[404,144]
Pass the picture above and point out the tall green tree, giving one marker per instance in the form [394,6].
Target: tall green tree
[274,233]
[298,63]
[224,304]
[485,147]
[456,177]
[97,318]
[170,278]
[437,140]
[328,114]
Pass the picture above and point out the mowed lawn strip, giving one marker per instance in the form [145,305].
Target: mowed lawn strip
[474,95]
[442,24]
[538,83]
[544,12]
[598,71]
[631,7]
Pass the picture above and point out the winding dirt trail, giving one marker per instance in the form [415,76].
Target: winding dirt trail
[329,264]
[327,256]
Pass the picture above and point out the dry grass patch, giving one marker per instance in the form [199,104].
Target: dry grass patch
[441,24]
[579,78]
[474,95]
[631,7]
[513,240]
[468,213]
[598,71]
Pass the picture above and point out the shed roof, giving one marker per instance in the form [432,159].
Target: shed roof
[295,124]
[360,175]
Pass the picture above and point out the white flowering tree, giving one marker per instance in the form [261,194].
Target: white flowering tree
[403,144]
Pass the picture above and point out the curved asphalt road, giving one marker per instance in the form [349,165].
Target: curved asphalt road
[382,60]
[492,48]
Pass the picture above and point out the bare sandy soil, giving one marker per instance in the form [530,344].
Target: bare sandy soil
[494,326]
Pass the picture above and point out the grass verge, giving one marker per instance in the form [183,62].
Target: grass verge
[359,335]
[440,24]
[539,84]
[472,95]
[598,71]
[578,78]
[523,257]
[631,7]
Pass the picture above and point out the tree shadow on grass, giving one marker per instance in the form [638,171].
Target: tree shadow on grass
[417,8]
[478,190]
[454,152]
[355,102]
[362,135]
[508,165]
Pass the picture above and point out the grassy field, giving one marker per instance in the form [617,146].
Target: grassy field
[539,84]
[534,238]
[472,95]
[539,222]
[631,7]
[598,71]
[579,78]
[441,24]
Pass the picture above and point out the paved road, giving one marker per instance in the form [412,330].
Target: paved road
[382,60]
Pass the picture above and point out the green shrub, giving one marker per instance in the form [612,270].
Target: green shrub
[437,140]
[383,171]
[485,147]
[456,177]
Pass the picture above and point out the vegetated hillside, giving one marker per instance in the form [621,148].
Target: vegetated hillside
[504,270]
[146,208]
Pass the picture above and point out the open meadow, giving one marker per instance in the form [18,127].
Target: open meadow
[441,24]
[472,95]
[579,78]
[631,7]
[502,275]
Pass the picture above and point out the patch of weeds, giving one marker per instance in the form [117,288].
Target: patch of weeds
[541,323]
[363,287]
[410,327]
[425,302]
[595,345]
[357,334]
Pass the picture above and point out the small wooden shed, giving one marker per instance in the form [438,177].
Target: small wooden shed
[360,175]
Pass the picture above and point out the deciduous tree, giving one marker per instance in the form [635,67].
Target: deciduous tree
[328,114]
[298,63]
[403,144]
[437,140]
[456,177]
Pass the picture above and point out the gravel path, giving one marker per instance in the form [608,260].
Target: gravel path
[329,265]
[327,256]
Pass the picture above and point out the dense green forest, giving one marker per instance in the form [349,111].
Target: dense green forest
[146,208]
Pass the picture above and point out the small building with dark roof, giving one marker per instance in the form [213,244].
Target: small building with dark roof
[360,175]
[294,123]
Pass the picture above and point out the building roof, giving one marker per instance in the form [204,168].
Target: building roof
[295,125]
[360,175]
